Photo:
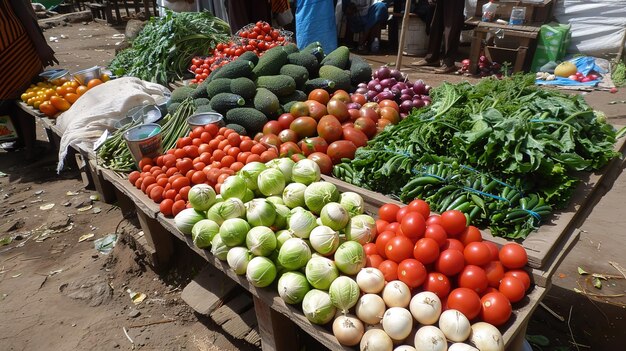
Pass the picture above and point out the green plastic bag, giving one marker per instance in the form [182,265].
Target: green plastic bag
[552,44]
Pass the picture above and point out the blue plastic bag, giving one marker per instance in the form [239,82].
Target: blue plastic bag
[315,21]
[584,65]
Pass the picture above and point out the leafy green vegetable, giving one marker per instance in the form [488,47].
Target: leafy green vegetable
[162,50]
[502,151]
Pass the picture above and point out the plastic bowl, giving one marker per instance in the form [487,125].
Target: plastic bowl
[59,77]
[204,118]
[145,114]
[83,77]
[51,73]
[122,122]
[161,103]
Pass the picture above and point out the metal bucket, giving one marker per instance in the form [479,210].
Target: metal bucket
[204,118]
[144,114]
[144,141]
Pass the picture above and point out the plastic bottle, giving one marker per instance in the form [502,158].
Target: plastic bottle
[375,45]
[489,11]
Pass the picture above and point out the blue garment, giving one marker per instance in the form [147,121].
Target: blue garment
[377,13]
[315,21]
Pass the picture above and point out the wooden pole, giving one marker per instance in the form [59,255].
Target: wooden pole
[405,23]
[621,47]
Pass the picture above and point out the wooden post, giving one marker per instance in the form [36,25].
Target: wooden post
[278,333]
[405,23]
[620,52]
[157,237]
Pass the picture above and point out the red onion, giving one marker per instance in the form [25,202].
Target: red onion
[407,91]
[353,105]
[372,83]
[427,88]
[396,74]
[378,88]
[362,85]
[385,95]
[425,98]
[405,97]
[403,115]
[426,102]
[406,106]
[361,91]
[418,103]
[371,94]
[383,72]
[419,87]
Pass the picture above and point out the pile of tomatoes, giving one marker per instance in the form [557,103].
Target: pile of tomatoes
[441,254]
[208,155]
[51,99]
[257,38]
[328,128]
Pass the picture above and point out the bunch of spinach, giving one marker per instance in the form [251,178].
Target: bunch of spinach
[531,140]
[161,52]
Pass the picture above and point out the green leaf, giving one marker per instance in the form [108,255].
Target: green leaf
[597,283]
[539,340]
[582,271]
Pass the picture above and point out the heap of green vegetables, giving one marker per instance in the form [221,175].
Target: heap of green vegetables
[502,151]
[162,50]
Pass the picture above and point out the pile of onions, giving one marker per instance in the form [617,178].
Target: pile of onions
[391,84]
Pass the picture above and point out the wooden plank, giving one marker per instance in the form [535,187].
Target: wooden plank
[231,309]
[207,290]
[241,325]
[143,202]
[103,187]
[140,243]
[273,327]
[254,337]
[157,237]
[125,203]
[543,277]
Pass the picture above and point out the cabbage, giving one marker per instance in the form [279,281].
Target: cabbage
[233,186]
[261,271]
[261,241]
[292,286]
[306,172]
[293,195]
[350,257]
[319,194]
[320,272]
[250,173]
[230,208]
[334,216]
[317,307]
[233,231]
[201,197]
[283,164]
[344,293]
[301,222]
[276,200]
[238,259]
[283,236]
[218,248]
[203,232]
[352,202]
[324,240]
[271,182]
[362,229]
[186,219]
[248,196]
[219,198]
[282,213]
[294,254]
[260,212]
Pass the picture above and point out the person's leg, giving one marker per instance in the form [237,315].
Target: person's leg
[435,37]
[237,14]
[453,23]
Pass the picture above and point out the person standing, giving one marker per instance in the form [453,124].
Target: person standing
[445,28]
[315,21]
[24,53]
[366,17]
[244,12]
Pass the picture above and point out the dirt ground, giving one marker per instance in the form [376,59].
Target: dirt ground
[57,292]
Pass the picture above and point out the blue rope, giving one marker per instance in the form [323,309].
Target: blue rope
[536,215]
[496,197]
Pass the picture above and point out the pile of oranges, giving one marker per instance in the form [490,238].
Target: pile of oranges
[51,99]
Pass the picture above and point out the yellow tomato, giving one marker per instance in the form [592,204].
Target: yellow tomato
[47,108]
[30,101]
[105,77]
[50,93]
[59,103]
[71,97]
[37,104]
[80,90]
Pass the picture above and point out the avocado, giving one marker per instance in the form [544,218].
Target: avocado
[305,60]
[237,128]
[223,102]
[235,69]
[318,83]
[218,85]
[251,119]
[338,58]
[298,73]
[290,48]
[360,70]
[271,62]
[249,56]
[201,101]
[266,102]
[297,95]
[280,85]
[338,75]
[244,87]
[179,94]
[204,108]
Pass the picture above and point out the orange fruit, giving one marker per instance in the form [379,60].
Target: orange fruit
[59,103]
[81,89]
[71,97]
[47,108]
[92,83]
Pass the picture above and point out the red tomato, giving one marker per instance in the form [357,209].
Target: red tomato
[469,235]
[495,273]
[401,213]
[413,225]
[389,269]
[399,248]
[316,109]
[288,135]
[323,161]
[285,120]
[366,125]
[437,233]
[512,288]
[493,250]
[521,275]
[304,126]
[437,283]
[412,272]
[373,260]
[338,109]
[426,250]
[166,207]
[311,145]
[340,149]
[381,225]
[433,219]
[421,207]
[381,241]
[453,244]
[271,139]
[272,127]
[393,226]
[450,262]
[388,212]
[329,128]
[178,206]
[477,253]
[370,249]
[355,136]
[495,309]
[289,148]
[473,277]
[466,301]
[454,222]
[513,256]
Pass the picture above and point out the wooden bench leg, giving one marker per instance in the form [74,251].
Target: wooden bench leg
[157,237]
[103,186]
[519,60]
[126,205]
[477,42]
[278,333]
